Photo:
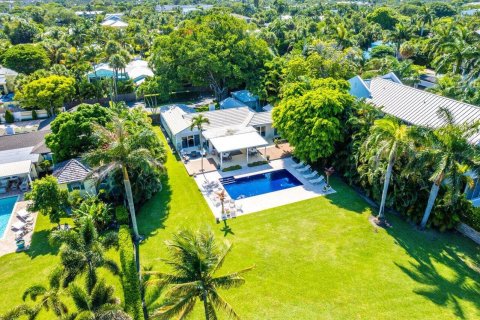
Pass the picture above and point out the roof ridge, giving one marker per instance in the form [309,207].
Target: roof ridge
[425,92]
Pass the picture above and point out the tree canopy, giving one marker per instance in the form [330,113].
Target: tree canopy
[25,58]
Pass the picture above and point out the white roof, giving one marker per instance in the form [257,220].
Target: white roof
[134,69]
[15,168]
[18,155]
[114,23]
[239,140]
[173,118]
[418,107]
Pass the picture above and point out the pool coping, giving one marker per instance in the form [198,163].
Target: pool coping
[9,223]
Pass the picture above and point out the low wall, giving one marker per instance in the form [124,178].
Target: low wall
[25,115]
[469,232]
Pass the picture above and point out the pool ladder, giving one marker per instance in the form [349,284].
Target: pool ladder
[227,180]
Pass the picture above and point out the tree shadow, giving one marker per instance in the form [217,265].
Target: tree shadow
[154,213]
[432,251]
[40,246]
[345,198]
[226,229]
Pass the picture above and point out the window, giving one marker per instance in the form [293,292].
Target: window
[261,130]
[190,141]
[474,192]
[75,186]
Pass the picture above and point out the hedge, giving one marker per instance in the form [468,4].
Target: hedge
[129,278]
[232,168]
[9,118]
[121,214]
[257,163]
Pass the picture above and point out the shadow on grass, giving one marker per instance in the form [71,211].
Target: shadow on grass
[433,250]
[346,198]
[154,213]
[40,245]
[226,229]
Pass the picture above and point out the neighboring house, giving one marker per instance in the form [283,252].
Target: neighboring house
[184,8]
[176,121]
[136,70]
[74,175]
[242,98]
[7,77]
[114,20]
[230,103]
[20,158]
[416,107]
[88,14]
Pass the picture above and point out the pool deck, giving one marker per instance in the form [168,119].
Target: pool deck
[7,242]
[264,201]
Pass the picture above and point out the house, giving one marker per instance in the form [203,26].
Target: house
[229,129]
[74,175]
[136,70]
[247,98]
[416,107]
[230,103]
[185,9]
[7,77]
[114,20]
[20,158]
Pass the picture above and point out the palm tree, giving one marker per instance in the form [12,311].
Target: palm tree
[83,251]
[388,139]
[119,149]
[198,122]
[426,16]
[117,63]
[96,303]
[50,296]
[451,155]
[195,257]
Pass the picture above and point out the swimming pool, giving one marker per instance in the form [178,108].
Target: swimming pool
[260,184]
[6,208]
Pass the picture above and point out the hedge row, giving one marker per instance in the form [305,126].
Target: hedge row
[232,168]
[130,280]
[121,214]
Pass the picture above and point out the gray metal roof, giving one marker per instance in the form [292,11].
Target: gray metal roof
[261,118]
[23,140]
[419,107]
[71,171]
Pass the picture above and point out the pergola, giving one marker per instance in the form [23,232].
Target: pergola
[227,140]
[19,168]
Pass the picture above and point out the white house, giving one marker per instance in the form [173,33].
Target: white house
[74,175]
[114,20]
[136,70]
[416,107]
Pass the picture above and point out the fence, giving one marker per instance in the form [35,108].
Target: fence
[25,115]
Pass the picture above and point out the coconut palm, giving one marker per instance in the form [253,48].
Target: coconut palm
[388,139]
[426,16]
[117,62]
[198,122]
[18,312]
[49,296]
[97,303]
[119,149]
[82,251]
[451,155]
[195,257]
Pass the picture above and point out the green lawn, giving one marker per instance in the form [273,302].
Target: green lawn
[316,259]
[322,259]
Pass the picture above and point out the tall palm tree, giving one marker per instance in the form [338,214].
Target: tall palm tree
[451,155]
[83,251]
[50,296]
[198,122]
[119,149]
[117,63]
[195,257]
[426,17]
[388,139]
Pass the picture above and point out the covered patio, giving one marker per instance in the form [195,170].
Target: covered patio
[15,176]
[235,146]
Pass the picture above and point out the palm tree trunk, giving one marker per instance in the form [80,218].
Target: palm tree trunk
[131,206]
[430,203]
[388,174]
[205,305]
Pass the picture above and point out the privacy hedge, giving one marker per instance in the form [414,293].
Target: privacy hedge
[129,278]
[232,168]
[121,214]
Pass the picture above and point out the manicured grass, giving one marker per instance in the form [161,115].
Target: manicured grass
[322,259]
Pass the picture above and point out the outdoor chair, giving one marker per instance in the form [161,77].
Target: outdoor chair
[19,225]
[298,165]
[318,180]
[314,174]
[304,169]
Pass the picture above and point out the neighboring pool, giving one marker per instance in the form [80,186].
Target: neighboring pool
[6,208]
[260,184]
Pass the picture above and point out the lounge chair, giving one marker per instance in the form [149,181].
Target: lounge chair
[314,174]
[304,169]
[23,214]
[318,180]
[298,165]
[19,225]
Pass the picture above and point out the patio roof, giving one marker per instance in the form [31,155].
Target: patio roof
[15,168]
[239,140]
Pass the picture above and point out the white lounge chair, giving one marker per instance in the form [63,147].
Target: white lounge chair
[23,214]
[298,165]
[318,180]
[304,169]
[19,225]
[314,174]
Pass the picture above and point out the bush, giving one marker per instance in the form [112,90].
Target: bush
[472,218]
[121,214]
[34,115]
[257,163]
[232,168]
[9,118]
[382,51]
[129,278]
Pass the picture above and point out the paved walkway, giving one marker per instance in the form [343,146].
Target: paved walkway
[7,242]
[265,201]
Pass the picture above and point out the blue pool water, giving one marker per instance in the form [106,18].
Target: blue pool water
[6,208]
[261,183]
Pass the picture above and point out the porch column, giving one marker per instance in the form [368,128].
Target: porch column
[247,156]
[221,160]
[29,179]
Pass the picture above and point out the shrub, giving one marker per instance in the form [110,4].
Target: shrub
[34,115]
[232,168]
[472,218]
[257,163]
[129,278]
[121,215]
[9,118]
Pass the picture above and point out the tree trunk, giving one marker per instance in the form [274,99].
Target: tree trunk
[205,305]
[422,29]
[430,203]
[388,174]
[131,206]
